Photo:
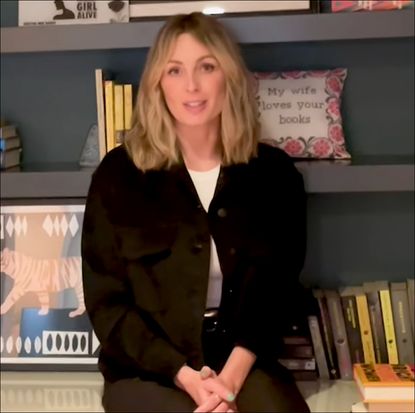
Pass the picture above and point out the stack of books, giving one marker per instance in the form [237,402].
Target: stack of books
[372,323]
[114,110]
[10,147]
[385,387]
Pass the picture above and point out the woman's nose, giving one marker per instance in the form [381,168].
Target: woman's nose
[192,83]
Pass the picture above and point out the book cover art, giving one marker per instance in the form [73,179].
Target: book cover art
[42,13]
[384,374]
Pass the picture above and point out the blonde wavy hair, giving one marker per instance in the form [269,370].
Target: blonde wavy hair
[152,141]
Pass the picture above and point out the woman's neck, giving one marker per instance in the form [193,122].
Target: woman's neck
[200,147]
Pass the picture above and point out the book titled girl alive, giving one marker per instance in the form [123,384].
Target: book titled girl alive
[72,12]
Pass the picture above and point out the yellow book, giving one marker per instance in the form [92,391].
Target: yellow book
[128,105]
[364,323]
[109,114]
[119,114]
[387,315]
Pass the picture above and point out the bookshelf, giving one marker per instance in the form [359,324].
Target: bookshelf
[360,215]
[253,29]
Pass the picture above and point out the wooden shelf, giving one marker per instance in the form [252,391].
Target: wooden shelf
[376,174]
[247,29]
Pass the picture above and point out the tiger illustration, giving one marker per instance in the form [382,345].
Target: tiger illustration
[41,276]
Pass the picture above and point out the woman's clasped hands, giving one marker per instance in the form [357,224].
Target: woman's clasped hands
[207,389]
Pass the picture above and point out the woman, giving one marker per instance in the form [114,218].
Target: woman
[193,239]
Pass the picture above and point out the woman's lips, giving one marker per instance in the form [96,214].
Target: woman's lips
[195,106]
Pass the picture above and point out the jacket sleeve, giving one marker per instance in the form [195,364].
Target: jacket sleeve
[126,335]
[270,294]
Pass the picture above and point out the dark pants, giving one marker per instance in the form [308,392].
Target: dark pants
[261,393]
[268,389]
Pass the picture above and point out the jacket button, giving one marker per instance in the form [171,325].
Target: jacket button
[222,212]
[232,251]
[197,247]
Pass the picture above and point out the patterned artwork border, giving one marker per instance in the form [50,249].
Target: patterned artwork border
[44,325]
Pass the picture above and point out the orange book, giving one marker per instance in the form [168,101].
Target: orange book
[385,382]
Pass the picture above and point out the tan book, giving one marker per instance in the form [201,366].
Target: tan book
[109,114]
[100,102]
[119,114]
[128,105]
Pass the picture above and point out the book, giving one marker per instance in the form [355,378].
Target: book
[7,131]
[388,323]
[351,321]
[46,13]
[128,105]
[411,297]
[109,114]
[327,334]
[100,76]
[376,321]
[384,382]
[300,351]
[383,407]
[11,158]
[10,143]
[339,334]
[364,323]
[320,355]
[298,363]
[403,332]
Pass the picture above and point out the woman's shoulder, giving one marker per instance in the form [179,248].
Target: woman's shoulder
[273,157]
[115,165]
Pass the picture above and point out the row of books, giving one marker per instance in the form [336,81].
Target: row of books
[384,387]
[10,147]
[372,323]
[114,110]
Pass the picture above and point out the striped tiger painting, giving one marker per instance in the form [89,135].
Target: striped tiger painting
[42,277]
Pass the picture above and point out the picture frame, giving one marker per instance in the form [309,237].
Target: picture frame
[140,10]
[44,324]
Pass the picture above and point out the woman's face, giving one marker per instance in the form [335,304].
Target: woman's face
[193,83]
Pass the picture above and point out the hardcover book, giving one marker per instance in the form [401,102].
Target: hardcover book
[351,321]
[318,345]
[376,321]
[9,143]
[385,382]
[327,334]
[11,158]
[339,334]
[400,310]
[410,282]
[7,131]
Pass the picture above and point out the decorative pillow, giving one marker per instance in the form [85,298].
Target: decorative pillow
[300,112]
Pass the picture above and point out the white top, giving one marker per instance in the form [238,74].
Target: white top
[205,184]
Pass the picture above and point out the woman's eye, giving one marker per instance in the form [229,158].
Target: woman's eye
[208,67]
[173,71]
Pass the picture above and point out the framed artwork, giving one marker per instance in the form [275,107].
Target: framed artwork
[44,324]
[146,9]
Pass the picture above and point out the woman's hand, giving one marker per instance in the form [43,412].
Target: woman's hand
[199,389]
[214,402]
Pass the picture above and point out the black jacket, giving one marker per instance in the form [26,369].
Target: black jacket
[146,249]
